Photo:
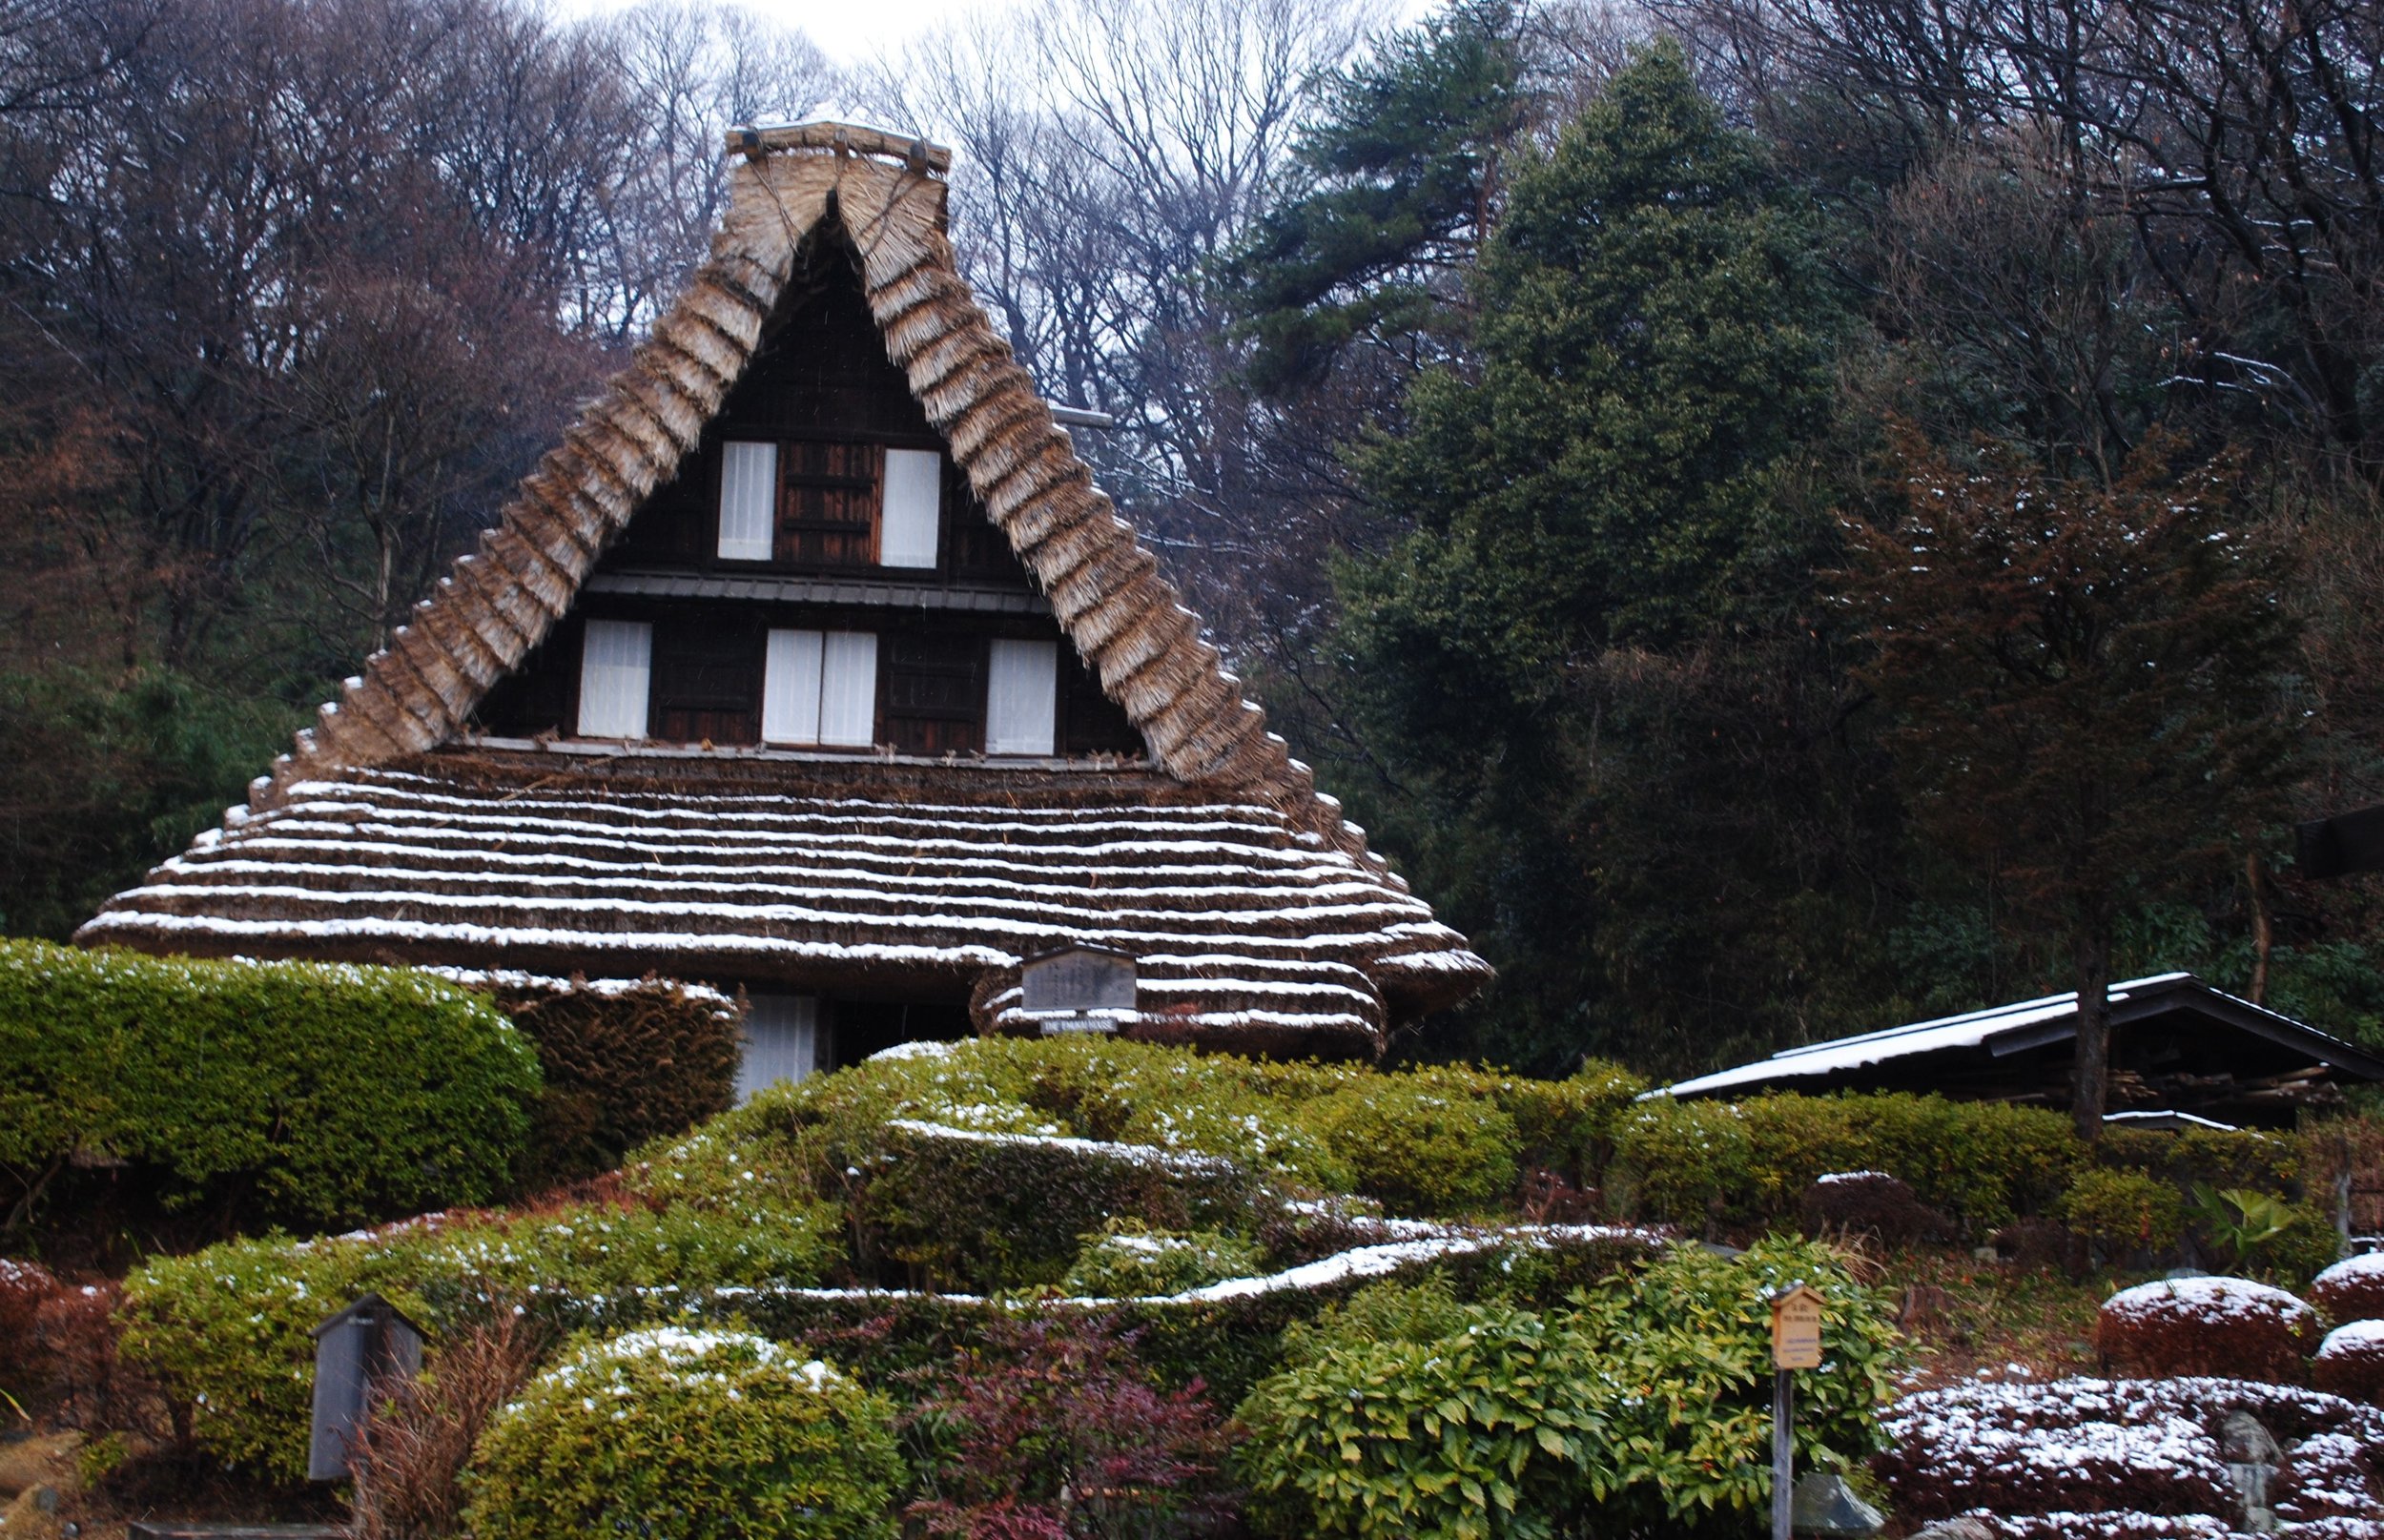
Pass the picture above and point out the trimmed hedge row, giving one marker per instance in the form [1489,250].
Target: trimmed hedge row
[225,1331]
[316,1093]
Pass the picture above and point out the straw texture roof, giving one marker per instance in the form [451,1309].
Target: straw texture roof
[820,874]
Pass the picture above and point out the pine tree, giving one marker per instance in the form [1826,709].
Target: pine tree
[2087,687]
[1401,177]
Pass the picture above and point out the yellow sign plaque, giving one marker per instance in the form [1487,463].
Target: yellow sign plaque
[1797,1329]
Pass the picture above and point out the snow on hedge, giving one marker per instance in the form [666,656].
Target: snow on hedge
[2359,1339]
[2367,1266]
[2219,1301]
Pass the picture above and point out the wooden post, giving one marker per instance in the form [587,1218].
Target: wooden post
[1796,1345]
[1783,1454]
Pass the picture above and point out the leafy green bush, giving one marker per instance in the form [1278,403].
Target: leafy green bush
[225,1330]
[1122,1262]
[693,1435]
[2123,1211]
[326,1094]
[1647,1399]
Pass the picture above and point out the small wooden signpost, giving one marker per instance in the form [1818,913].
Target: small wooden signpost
[1796,1345]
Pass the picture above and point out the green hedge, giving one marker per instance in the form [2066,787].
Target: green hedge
[1749,1163]
[324,1094]
[225,1331]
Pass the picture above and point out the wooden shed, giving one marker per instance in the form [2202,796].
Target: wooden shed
[2182,1053]
[813,663]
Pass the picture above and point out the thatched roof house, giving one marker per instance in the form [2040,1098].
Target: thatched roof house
[812,662]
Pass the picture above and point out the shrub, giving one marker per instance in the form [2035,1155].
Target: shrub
[2353,1289]
[2087,1446]
[1051,1428]
[2124,1212]
[2350,1363]
[2228,1326]
[1568,1126]
[694,1436]
[23,1288]
[1648,1401]
[408,1462]
[1128,1263]
[1870,1203]
[1422,1144]
[624,1063]
[1002,1211]
[1981,1164]
[225,1330]
[310,1092]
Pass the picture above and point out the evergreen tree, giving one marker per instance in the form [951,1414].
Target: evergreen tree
[1399,182]
[1612,744]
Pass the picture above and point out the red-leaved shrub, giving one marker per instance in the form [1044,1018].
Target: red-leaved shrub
[2353,1289]
[22,1288]
[1053,1431]
[1872,1203]
[2228,1326]
[2351,1362]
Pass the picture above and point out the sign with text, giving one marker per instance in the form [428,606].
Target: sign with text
[1797,1329]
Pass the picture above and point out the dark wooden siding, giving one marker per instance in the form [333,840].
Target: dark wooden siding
[708,677]
[932,692]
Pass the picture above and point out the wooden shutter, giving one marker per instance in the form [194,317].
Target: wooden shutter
[935,693]
[704,683]
[828,509]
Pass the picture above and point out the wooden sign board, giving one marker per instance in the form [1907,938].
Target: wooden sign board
[1797,1329]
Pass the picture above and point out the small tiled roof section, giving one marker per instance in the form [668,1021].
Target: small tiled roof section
[1126,620]
[817,872]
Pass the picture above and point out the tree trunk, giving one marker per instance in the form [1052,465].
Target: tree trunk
[2090,1081]
[2263,925]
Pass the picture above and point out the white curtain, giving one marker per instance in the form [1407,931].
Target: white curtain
[847,689]
[1022,698]
[781,1041]
[790,688]
[911,508]
[748,499]
[616,663]
[820,687]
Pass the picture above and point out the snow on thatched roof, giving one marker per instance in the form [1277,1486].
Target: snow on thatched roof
[820,872]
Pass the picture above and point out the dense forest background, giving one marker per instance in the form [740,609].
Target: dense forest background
[1780,515]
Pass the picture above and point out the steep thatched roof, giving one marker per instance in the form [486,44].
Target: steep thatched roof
[375,822]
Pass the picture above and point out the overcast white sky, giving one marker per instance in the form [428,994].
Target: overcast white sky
[853,30]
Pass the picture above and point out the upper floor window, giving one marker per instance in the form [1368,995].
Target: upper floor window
[807,503]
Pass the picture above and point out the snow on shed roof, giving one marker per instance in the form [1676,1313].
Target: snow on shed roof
[2007,1029]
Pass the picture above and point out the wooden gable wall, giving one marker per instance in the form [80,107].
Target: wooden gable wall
[822,390]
